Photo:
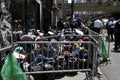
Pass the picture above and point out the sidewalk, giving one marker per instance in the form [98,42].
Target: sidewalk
[81,76]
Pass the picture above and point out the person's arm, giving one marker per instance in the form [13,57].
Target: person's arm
[101,28]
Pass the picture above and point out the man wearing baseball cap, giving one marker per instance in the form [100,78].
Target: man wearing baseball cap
[20,53]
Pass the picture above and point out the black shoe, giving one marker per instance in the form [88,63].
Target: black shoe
[103,61]
[98,74]
[114,50]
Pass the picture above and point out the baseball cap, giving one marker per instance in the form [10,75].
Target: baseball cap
[20,53]
[19,49]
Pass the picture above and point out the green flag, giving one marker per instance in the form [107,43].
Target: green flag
[11,69]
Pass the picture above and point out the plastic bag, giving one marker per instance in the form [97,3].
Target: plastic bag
[11,69]
[105,52]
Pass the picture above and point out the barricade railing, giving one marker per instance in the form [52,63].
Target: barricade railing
[59,56]
[102,44]
[62,53]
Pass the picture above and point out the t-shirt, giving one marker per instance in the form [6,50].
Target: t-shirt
[98,23]
[112,24]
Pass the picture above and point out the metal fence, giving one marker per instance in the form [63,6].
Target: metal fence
[56,54]
[61,54]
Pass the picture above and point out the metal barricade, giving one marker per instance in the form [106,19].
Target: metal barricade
[102,44]
[59,56]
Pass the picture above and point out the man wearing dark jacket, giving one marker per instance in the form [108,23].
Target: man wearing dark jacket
[117,36]
[60,24]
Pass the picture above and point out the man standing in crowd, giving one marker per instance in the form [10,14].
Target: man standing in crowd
[117,36]
[98,26]
[60,24]
[110,28]
[5,22]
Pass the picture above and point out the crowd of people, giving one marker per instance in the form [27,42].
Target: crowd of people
[77,25]
[98,25]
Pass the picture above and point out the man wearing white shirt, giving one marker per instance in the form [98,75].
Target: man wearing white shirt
[110,28]
[98,26]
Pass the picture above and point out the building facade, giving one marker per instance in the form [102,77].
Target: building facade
[31,13]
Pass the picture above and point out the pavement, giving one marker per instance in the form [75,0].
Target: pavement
[112,70]
[82,76]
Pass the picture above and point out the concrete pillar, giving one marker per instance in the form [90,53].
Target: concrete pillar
[40,5]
